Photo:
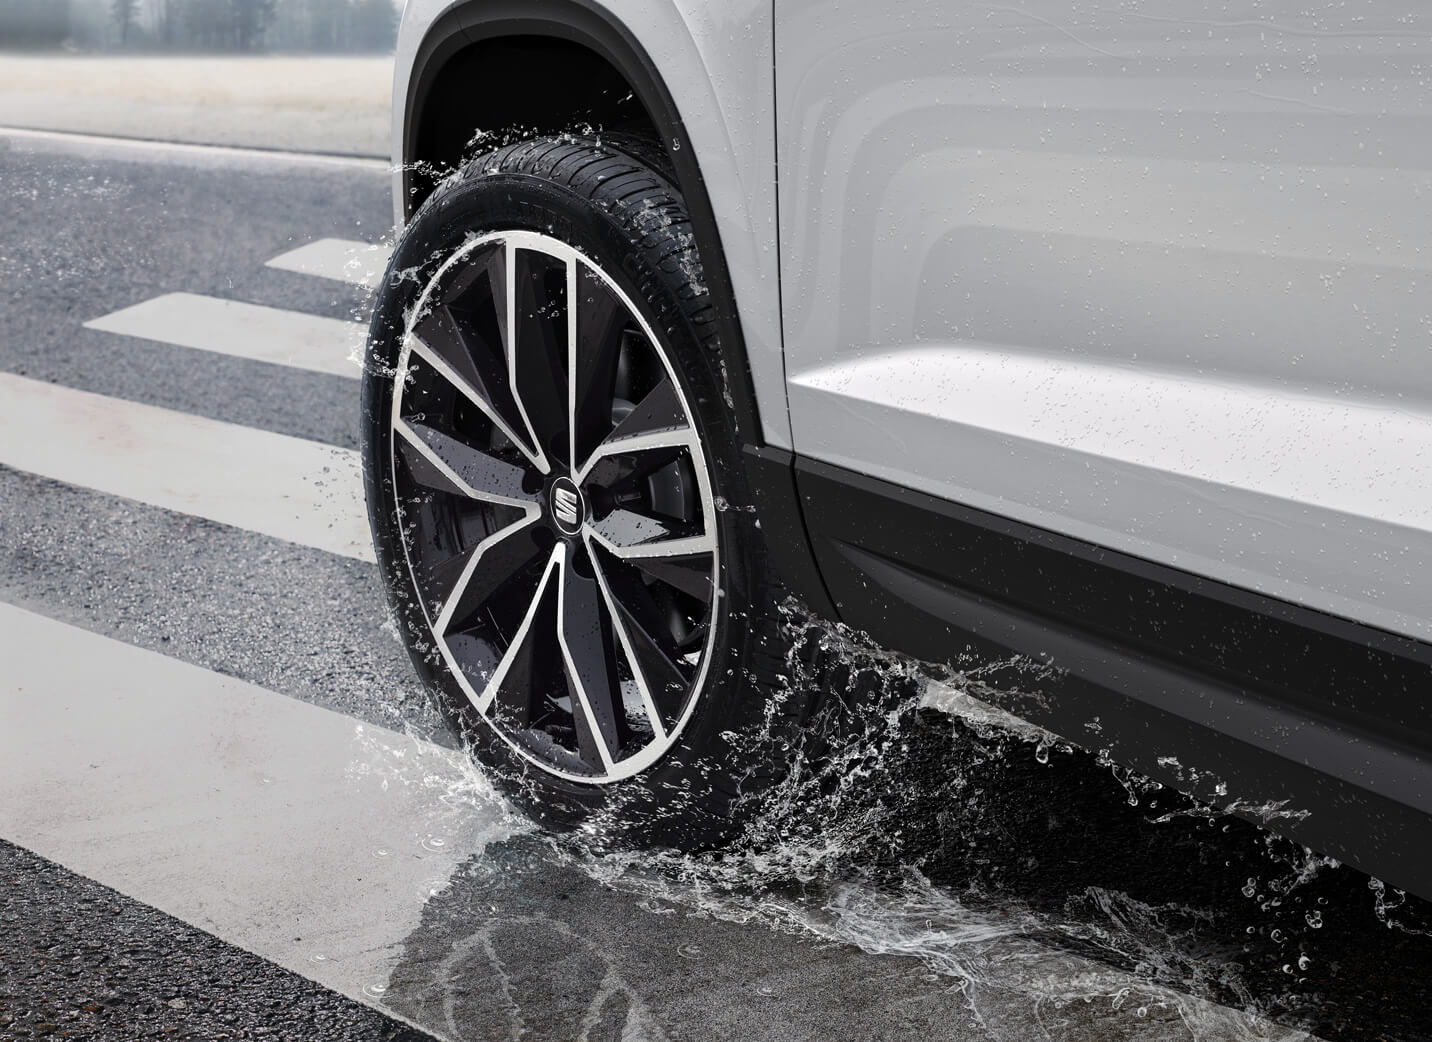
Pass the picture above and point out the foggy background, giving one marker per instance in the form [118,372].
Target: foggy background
[292,75]
[200,26]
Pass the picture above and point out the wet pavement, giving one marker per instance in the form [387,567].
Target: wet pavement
[84,962]
[267,755]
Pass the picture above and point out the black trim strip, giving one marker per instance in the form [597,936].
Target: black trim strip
[1280,702]
[770,473]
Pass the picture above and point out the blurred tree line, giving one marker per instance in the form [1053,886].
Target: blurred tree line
[201,25]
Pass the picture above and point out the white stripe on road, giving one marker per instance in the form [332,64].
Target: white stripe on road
[232,327]
[279,826]
[342,260]
[291,488]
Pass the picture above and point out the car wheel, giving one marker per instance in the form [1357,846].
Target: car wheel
[557,500]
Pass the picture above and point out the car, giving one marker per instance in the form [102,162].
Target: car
[1083,351]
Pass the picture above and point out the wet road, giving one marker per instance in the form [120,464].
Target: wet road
[203,709]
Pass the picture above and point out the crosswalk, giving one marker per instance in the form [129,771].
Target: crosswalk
[236,809]
[274,484]
[233,808]
[252,331]
[359,263]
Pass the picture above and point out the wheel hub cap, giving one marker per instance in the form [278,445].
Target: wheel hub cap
[569,508]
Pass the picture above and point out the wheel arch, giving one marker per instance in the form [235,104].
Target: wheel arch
[443,109]
[596,73]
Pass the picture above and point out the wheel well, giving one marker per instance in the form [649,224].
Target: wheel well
[503,67]
[564,86]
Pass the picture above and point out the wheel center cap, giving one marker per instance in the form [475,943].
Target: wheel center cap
[569,508]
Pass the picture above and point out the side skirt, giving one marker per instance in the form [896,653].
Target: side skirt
[1318,726]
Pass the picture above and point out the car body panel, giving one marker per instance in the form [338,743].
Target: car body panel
[1106,348]
[715,61]
[1154,281]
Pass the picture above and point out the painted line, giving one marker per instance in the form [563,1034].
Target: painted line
[253,331]
[281,827]
[290,488]
[191,154]
[342,260]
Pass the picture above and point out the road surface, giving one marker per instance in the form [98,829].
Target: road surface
[228,809]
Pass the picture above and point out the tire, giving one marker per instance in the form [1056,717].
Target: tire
[554,667]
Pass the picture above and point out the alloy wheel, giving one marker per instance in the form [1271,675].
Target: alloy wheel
[555,506]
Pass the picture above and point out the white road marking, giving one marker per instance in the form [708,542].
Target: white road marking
[281,486]
[232,327]
[342,260]
[189,155]
[279,826]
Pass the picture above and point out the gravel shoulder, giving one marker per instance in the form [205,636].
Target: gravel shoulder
[305,104]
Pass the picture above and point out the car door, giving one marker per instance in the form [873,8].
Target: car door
[1154,280]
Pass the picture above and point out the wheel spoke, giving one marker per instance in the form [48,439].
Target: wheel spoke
[584,632]
[440,368]
[511,680]
[598,323]
[659,412]
[628,535]
[689,573]
[442,578]
[646,640]
[490,567]
[474,473]
[657,423]
[482,283]
[426,469]
[534,681]
[539,358]
[465,339]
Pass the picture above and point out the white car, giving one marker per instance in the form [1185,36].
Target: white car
[1019,334]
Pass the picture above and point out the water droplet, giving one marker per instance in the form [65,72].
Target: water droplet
[1315,919]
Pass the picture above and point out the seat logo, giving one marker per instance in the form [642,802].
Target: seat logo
[567,506]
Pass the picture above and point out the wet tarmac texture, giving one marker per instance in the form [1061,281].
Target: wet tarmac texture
[939,879]
[83,962]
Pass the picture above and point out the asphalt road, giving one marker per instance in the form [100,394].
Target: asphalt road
[221,786]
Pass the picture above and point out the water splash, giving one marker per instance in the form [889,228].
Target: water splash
[836,851]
